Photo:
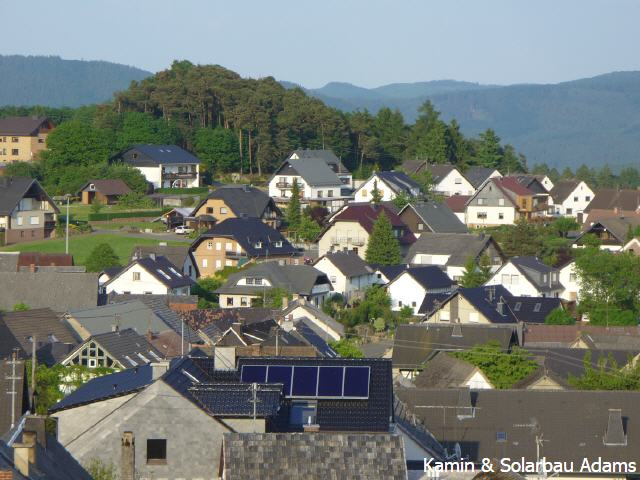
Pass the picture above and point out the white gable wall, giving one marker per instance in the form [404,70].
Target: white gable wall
[405,291]
[569,280]
[454,183]
[364,193]
[336,277]
[514,281]
[147,284]
[576,202]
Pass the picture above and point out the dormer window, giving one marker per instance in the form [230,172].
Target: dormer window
[537,306]
[135,155]
[92,187]
[278,244]
[257,245]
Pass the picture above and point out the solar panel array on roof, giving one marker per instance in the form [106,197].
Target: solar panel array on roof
[345,382]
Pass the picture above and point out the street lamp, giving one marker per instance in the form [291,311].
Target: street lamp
[66,240]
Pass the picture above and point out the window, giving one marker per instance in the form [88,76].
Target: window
[218,246]
[135,155]
[517,306]
[364,193]
[223,210]
[209,209]
[572,277]
[228,246]
[303,413]
[445,315]
[136,276]
[278,244]
[501,436]
[333,279]
[15,139]
[569,211]
[420,226]
[458,181]
[473,317]
[544,278]
[244,301]
[15,151]
[413,304]
[41,140]
[205,263]
[156,451]
[536,307]
[500,216]
[329,193]
[506,279]
[20,220]
[229,301]
[34,220]
[319,193]
[400,303]
[587,198]
[481,215]
[218,264]
[480,201]
[501,202]
[515,279]
[575,199]
[209,245]
[228,263]
[258,245]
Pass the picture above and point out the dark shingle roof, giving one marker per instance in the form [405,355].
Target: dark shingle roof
[236,399]
[430,277]
[108,187]
[416,344]
[350,264]
[313,456]
[243,200]
[9,343]
[574,428]
[314,171]
[444,371]
[562,189]
[21,126]
[128,347]
[532,309]
[13,189]
[535,270]
[489,300]
[440,171]
[459,246]
[162,154]
[108,386]
[457,203]
[390,271]
[610,198]
[163,270]
[248,232]
[616,226]
[478,175]
[327,155]
[437,217]
[399,182]
[176,254]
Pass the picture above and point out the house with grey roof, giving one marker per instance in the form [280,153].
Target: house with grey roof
[330,159]
[569,198]
[378,455]
[477,175]
[319,184]
[27,212]
[324,325]
[106,191]
[448,180]
[248,285]
[446,371]
[389,186]
[612,232]
[451,251]
[178,255]
[528,277]
[431,216]
[348,272]
[164,166]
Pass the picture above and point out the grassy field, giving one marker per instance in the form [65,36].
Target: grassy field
[78,211]
[117,225]
[80,246]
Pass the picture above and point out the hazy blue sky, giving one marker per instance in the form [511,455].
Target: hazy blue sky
[366,42]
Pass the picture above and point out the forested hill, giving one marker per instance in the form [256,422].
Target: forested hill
[55,82]
[594,121]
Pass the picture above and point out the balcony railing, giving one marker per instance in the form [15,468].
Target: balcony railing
[175,175]
[356,241]
[232,254]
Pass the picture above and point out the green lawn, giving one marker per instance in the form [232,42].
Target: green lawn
[78,211]
[80,246]
[117,225]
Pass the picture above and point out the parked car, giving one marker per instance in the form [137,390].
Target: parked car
[183,230]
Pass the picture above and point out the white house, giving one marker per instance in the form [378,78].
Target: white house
[330,159]
[164,166]
[321,323]
[409,288]
[569,280]
[528,277]
[569,198]
[449,181]
[152,275]
[347,272]
[389,184]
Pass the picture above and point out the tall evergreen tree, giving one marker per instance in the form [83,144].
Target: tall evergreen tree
[376,194]
[383,246]
[293,215]
[489,152]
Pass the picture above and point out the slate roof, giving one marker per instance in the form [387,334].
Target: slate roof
[342,415]
[108,386]
[444,371]
[236,400]
[562,189]
[19,386]
[459,246]
[298,279]
[243,200]
[440,171]
[432,302]
[580,424]
[42,323]
[399,182]
[132,314]
[350,264]
[9,343]
[488,300]
[213,323]
[127,343]
[430,277]
[107,187]
[457,203]
[155,155]
[366,214]
[327,155]
[13,189]
[21,126]
[176,254]
[616,226]
[601,337]
[437,217]
[413,166]
[532,182]
[416,344]
[534,270]
[313,456]
[248,232]
[513,185]
[390,271]
[72,290]
[314,171]
[314,336]
[316,313]
[172,277]
[478,175]
[532,309]
[611,198]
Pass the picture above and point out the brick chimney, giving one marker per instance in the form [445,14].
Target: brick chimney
[24,453]
[158,369]
[128,457]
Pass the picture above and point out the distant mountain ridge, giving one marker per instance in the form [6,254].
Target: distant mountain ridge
[592,120]
[54,82]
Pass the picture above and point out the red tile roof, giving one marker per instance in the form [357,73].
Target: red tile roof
[366,214]
[513,185]
[457,203]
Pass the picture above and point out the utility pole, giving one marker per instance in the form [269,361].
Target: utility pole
[254,391]
[66,241]
[33,375]
[13,377]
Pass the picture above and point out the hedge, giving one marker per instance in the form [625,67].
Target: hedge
[96,217]
[180,191]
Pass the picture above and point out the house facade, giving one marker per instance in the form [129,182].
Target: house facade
[569,198]
[107,192]
[389,185]
[23,138]
[528,277]
[164,166]
[152,275]
[449,181]
[27,213]
[348,273]
[410,287]
[431,216]
[569,280]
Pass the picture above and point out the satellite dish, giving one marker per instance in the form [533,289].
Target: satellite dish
[457,451]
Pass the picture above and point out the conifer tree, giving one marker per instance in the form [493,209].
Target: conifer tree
[383,246]
[293,209]
[376,194]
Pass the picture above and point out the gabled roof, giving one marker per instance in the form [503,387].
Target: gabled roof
[512,185]
[249,232]
[215,322]
[598,337]
[316,313]
[9,343]
[14,189]
[127,346]
[445,371]
[327,155]
[562,189]
[154,155]
[534,270]
[390,271]
[367,213]
[437,217]
[294,278]
[617,226]
[478,175]
[532,182]
[289,454]
[429,277]
[107,187]
[611,198]
[161,269]
[491,301]
[314,171]
[350,264]
[416,344]
[413,166]
[440,171]
[459,246]
[23,126]
[108,386]
[532,309]
[457,203]
[243,200]
[399,182]
[176,254]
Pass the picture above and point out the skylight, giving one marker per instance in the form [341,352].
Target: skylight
[175,272]
[153,354]
[131,361]
[537,306]
[164,274]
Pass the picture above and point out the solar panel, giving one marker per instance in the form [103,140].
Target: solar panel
[281,374]
[356,382]
[330,380]
[305,381]
[254,373]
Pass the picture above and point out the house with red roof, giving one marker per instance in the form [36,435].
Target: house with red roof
[350,228]
[502,201]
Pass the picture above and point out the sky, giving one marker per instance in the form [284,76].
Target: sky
[364,42]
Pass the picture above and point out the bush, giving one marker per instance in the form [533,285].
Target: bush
[559,316]
[20,307]
[102,257]
[346,349]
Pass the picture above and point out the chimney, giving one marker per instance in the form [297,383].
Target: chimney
[491,291]
[24,453]
[152,256]
[36,424]
[158,369]
[285,302]
[128,457]
[237,327]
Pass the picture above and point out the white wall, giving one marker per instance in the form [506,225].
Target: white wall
[576,202]
[152,174]
[454,183]
[493,215]
[148,284]
[348,235]
[364,193]
[569,280]
[478,382]
[336,277]
[517,283]
[405,291]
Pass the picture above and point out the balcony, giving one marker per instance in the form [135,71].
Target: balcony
[178,175]
[357,242]
[233,255]
[284,185]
